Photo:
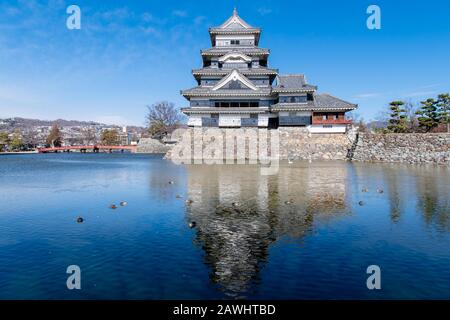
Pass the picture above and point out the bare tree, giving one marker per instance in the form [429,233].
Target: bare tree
[411,110]
[89,137]
[54,138]
[162,118]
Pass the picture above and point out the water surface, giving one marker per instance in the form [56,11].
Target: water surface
[300,234]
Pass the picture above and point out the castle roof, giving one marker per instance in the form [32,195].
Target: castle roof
[248,50]
[322,102]
[234,25]
[292,83]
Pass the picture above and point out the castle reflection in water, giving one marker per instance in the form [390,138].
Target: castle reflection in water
[239,213]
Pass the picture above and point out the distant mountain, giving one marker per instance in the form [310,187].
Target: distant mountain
[376,124]
[18,122]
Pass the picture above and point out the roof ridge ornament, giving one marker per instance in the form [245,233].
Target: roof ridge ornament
[235,13]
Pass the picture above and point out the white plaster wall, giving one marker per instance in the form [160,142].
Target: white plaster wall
[196,119]
[263,120]
[318,128]
[298,113]
[230,120]
[225,40]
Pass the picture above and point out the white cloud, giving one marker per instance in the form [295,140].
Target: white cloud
[419,94]
[367,95]
[199,20]
[113,120]
[179,13]
[264,11]
[116,14]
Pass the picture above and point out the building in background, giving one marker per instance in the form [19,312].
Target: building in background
[237,88]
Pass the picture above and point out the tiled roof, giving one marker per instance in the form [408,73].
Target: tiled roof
[250,71]
[225,110]
[326,101]
[305,106]
[206,91]
[249,50]
[322,102]
[234,30]
[292,82]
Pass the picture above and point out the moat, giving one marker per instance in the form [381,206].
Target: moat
[307,232]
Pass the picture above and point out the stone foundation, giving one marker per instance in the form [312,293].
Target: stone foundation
[148,145]
[406,147]
[296,143]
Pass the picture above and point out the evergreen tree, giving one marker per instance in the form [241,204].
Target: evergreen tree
[398,120]
[16,142]
[54,138]
[4,140]
[429,116]
[443,104]
[110,137]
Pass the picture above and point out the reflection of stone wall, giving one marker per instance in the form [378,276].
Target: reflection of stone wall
[409,147]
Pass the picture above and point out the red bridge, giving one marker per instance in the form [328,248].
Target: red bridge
[94,148]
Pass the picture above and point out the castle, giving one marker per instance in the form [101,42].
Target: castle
[237,88]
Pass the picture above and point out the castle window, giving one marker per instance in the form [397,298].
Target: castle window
[324,117]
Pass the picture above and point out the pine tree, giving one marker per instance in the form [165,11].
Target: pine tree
[443,104]
[429,116]
[398,119]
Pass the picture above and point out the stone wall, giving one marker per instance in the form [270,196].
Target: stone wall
[148,145]
[406,147]
[296,143]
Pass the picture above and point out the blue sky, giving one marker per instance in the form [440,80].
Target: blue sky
[129,54]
